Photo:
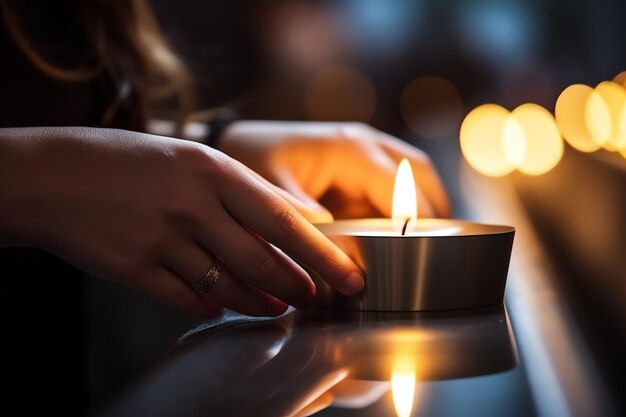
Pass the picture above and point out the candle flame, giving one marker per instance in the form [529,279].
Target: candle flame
[404,195]
[403,385]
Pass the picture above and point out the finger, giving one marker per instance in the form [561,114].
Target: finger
[286,186]
[190,262]
[270,379]
[312,210]
[299,376]
[249,348]
[382,179]
[320,403]
[202,369]
[308,385]
[353,393]
[257,263]
[167,288]
[286,181]
[269,216]
[423,170]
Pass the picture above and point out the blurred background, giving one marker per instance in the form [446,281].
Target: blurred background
[415,69]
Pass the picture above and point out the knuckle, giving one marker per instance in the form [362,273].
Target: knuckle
[152,243]
[181,213]
[200,158]
[284,224]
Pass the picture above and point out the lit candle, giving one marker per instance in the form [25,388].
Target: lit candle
[413,264]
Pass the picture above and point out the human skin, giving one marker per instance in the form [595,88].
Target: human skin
[350,167]
[150,212]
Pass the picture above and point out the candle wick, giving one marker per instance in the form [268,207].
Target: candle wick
[406,223]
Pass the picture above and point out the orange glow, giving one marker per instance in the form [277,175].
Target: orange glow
[403,385]
[481,140]
[514,141]
[540,137]
[598,118]
[580,115]
[404,204]
[431,107]
[620,140]
[620,79]
[614,96]
[340,93]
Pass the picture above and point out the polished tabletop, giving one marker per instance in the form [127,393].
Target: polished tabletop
[339,363]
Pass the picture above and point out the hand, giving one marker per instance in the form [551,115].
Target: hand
[235,373]
[229,370]
[150,212]
[348,167]
[347,393]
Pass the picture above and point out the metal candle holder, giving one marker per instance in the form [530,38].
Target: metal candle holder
[438,264]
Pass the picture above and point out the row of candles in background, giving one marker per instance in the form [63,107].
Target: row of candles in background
[494,140]
[529,139]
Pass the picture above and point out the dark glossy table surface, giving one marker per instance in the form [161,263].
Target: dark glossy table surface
[339,363]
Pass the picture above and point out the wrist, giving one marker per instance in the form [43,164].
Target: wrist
[13,163]
[27,184]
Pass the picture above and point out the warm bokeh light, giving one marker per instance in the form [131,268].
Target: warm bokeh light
[620,140]
[579,112]
[431,107]
[481,140]
[620,79]
[404,205]
[598,118]
[340,93]
[403,385]
[496,142]
[514,142]
[542,142]
[614,96]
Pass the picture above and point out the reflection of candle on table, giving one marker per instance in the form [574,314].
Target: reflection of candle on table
[403,384]
[421,264]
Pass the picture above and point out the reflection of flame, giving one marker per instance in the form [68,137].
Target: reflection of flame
[403,385]
[404,195]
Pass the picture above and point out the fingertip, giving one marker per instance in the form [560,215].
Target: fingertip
[352,284]
[277,309]
[280,310]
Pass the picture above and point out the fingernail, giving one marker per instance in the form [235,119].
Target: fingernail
[353,283]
